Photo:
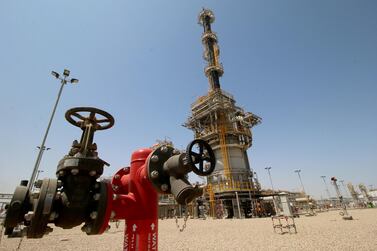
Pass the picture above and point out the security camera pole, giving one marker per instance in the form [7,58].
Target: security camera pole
[63,81]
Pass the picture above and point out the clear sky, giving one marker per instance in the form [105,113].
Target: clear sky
[308,68]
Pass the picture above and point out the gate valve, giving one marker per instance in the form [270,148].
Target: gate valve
[75,196]
[79,170]
[168,169]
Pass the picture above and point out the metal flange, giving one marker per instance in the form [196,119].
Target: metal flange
[155,164]
[42,209]
[97,210]
[18,207]
[80,165]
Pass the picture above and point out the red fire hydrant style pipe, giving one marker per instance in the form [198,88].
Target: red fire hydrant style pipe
[132,194]
[134,199]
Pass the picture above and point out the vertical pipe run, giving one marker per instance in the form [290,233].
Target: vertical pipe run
[238,206]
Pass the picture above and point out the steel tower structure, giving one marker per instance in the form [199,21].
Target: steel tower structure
[217,119]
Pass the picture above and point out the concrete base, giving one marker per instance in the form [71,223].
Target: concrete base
[348,217]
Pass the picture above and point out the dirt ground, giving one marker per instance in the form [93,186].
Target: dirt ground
[326,231]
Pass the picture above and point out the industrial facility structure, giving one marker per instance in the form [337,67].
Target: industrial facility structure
[232,188]
[4,200]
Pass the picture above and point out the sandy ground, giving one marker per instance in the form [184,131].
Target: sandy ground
[326,231]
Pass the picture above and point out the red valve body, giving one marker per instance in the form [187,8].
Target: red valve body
[133,198]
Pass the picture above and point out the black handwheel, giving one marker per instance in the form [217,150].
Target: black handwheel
[202,160]
[82,120]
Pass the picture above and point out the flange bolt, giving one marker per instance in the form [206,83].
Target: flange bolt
[164,187]
[164,149]
[93,215]
[96,196]
[154,174]
[154,158]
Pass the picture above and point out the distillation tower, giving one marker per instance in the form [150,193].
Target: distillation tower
[232,187]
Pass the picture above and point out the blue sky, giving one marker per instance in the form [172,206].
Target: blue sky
[308,68]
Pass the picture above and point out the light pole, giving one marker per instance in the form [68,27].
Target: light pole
[327,189]
[344,188]
[63,80]
[299,176]
[40,157]
[272,187]
[309,209]
[39,171]
[269,175]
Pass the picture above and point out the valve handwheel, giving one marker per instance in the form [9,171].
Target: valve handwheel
[82,120]
[202,162]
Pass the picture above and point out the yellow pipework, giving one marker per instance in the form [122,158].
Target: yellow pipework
[224,149]
[211,199]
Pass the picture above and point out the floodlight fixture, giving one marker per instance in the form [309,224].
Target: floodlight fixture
[66,72]
[74,81]
[55,74]
[44,148]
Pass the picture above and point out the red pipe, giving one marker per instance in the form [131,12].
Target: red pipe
[135,200]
